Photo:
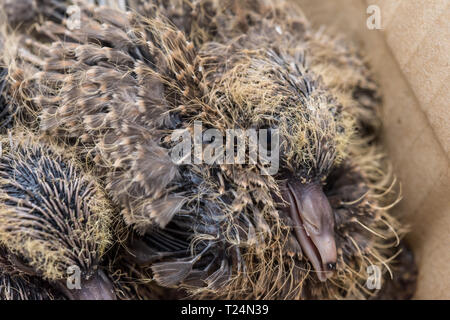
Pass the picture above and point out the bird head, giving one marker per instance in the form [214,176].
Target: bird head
[269,90]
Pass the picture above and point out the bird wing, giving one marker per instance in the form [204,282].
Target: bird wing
[110,86]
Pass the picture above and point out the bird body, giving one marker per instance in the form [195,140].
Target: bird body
[117,88]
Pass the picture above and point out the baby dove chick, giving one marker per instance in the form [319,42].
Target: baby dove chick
[121,85]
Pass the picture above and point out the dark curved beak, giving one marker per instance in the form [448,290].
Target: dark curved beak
[97,287]
[313,219]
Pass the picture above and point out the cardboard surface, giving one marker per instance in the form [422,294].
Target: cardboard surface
[410,56]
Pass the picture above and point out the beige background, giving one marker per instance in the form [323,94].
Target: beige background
[410,56]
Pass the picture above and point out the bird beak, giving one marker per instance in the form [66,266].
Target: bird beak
[314,226]
[97,287]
